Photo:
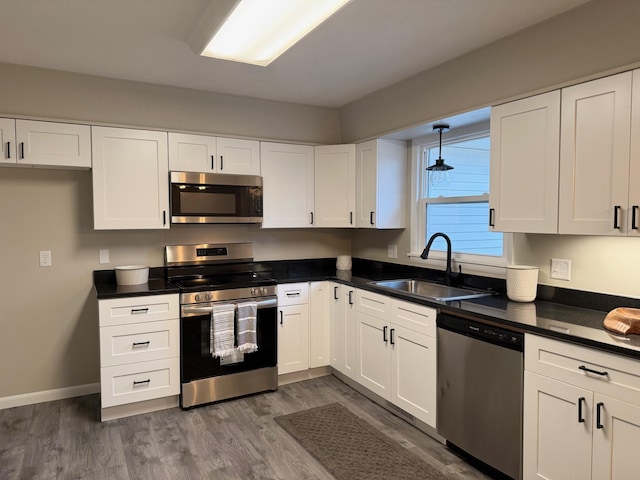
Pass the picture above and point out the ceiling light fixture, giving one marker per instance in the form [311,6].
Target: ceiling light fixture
[259,31]
[439,172]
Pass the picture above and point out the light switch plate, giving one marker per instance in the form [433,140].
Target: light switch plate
[392,251]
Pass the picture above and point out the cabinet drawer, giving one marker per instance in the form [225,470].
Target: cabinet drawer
[139,342]
[415,317]
[136,382]
[149,308]
[293,294]
[595,370]
[373,304]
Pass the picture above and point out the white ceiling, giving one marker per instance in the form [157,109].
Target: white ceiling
[367,45]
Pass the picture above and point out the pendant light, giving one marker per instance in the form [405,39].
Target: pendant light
[439,172]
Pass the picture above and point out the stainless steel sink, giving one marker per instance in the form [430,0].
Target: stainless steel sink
[429,290]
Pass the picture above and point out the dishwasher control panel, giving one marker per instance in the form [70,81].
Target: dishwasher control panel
[481,331]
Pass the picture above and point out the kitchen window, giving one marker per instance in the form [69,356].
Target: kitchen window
[460,207]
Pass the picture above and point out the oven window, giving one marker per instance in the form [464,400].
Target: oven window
[194,203]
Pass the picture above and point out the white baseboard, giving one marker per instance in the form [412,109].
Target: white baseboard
[48,395]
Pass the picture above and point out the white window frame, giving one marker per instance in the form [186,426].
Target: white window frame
[480,264]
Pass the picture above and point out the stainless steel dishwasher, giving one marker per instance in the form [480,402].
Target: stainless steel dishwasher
[480,383]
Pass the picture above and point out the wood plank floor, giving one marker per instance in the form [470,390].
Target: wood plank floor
[233,440]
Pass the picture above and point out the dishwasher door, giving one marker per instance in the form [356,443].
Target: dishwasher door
[480,388]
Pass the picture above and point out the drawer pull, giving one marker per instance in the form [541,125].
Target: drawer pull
[138,311]
[599,406]
[350,297]
[384,334]
[585,369]
[581,400]
[141,344]
[335,293]
[141,382]
[293,294]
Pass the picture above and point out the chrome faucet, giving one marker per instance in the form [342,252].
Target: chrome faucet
[425,253]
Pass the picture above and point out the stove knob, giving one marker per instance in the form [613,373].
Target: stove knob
[209,297]
[254,291]
[198,298]
[263,291]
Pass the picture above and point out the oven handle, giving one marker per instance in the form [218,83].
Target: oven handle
[197,309]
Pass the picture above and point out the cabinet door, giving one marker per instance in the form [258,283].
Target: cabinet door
[238,156]
[335,183]
[556,444]
[319,323]
[615,439]
[594,156]
[337,327]
[53,144]
[373,354]
[381,184]
[8,141]
[525,158]
[130,179]
[343,330]
[287,172]
[366,183]
[413,373]
[192,153]
[293,339]
[633,217]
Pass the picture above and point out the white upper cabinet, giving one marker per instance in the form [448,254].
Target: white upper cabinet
[594,156]
[525,156]
[130,179]
[288,185]
[335,186]
[205,154]
[45,144]
[8,141]
[238,156]
[633,214]
[381,184]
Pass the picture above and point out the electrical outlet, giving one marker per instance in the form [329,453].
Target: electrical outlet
[560,269]
[104,256]
[392,251]
[45,258]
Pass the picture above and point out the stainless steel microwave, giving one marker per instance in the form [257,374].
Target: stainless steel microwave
[215,198]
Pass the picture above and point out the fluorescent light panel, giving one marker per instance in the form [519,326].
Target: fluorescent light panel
[259,31]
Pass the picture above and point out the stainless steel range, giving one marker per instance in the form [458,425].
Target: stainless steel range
[228,322]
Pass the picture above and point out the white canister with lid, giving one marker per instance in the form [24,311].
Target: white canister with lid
[522,283]
[343,262]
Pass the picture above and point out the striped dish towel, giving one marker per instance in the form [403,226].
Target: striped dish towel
[247,337]
[222,330]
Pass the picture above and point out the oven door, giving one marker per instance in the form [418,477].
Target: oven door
[195,327]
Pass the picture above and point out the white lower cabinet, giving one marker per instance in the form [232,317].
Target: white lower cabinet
[396,353]
[319,324]
[139,349]
[343,330]
[293,327]
[581,412]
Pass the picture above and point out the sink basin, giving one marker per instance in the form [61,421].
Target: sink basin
[433,291]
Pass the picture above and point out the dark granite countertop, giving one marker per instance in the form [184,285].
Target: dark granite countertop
[558,313]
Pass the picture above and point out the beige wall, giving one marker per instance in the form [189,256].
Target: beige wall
[596,37]
[35,92]
[601,36]
[48,316]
